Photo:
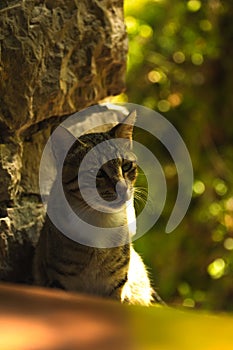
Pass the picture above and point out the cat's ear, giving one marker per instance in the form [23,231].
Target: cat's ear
[125,128]
[61,142]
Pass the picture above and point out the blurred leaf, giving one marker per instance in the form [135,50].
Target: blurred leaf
[180,64]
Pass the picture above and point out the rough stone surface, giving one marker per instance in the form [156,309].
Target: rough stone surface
[56,57]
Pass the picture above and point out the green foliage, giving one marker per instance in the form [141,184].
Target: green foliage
[180,65]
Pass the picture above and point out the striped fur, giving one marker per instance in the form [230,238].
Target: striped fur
[60,262]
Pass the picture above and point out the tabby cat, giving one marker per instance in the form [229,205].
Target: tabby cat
[118,271]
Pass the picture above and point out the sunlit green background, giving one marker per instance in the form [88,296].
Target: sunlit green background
[181,64]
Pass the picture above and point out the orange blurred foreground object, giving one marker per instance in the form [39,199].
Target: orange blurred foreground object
[39,319]
[43,319]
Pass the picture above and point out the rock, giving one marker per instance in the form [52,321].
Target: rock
[56,58]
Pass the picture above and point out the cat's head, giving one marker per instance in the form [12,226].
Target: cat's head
[112,180]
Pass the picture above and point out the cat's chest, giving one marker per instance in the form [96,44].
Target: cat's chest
[97,270]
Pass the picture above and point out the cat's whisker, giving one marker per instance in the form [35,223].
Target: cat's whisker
[142,198]
[138,189]
[141,193]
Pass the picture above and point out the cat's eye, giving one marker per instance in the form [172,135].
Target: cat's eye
[100,174]
[127,166]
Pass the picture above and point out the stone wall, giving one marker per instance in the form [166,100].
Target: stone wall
[56,57]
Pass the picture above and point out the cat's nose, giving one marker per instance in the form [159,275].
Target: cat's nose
[123,190]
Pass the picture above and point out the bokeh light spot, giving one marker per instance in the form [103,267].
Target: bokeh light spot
[218,235]
[154,76]
[170,170]
[164,106]
[175,99]
[228,220]
[131,24]
[198,187]
[179,57]
[188,302]
[194,5]
[145,31]
[229,204]
[220,187]
[215,209]
[197,59]
[217,268]
[228,243]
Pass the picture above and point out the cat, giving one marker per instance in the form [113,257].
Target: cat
[118,271]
